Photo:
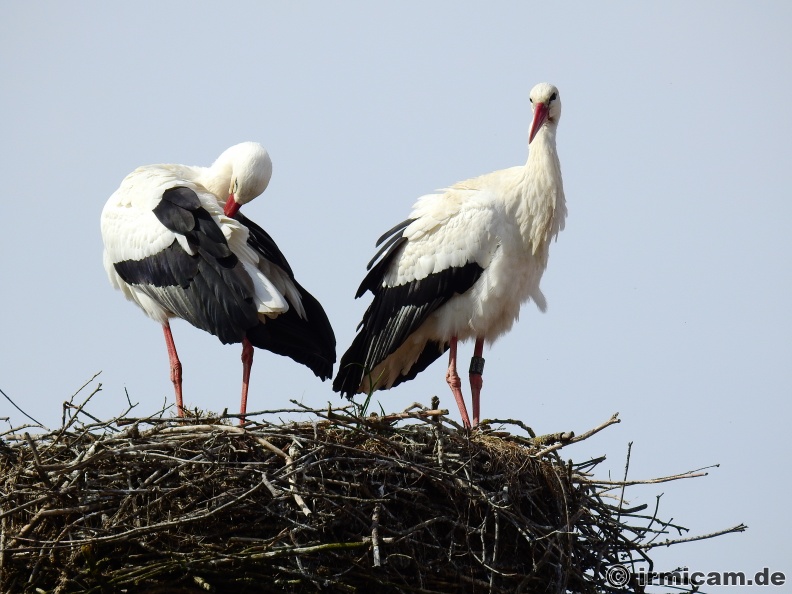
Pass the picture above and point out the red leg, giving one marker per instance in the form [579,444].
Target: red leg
[452,377]
[476,369]
[175,366]
[247,363]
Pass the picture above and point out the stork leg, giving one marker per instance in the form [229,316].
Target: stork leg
[247,363]
[175,367]
[452,377]
[476,381]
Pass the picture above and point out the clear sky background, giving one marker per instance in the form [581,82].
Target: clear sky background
[668,291]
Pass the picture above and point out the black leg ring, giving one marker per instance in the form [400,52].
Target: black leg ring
[476,365]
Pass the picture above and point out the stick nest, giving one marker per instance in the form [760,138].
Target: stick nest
[408,502]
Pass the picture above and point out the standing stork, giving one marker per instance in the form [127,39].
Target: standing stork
[176,244]
[460,267]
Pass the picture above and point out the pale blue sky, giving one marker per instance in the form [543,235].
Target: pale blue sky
[668,291]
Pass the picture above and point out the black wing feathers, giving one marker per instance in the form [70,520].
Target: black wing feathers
[385,247]
[394,231]
[261,241]
[396,312]
[374,277]
[203,288]
[309,341]
[176,210]
[431,353]
[171,267]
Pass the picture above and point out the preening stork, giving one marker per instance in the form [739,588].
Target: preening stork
[176,244]
[460,267]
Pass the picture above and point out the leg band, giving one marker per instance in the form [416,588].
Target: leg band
[476,365]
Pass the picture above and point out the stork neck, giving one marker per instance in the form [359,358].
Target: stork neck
[543,169]
[542,209]
[543,147]
[217,179]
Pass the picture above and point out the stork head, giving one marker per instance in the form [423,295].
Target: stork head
[546,105]
[245,170]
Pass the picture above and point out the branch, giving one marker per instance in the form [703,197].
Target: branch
[673,541]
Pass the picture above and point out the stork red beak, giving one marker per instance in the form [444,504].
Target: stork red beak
[231,207]
[540,115]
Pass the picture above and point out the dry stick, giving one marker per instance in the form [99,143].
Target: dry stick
[2,545]
[664,479]
[80,389]
[495,546]
[37,460]
[568,529]
[439,442]
[516,422]
[640,535]
[421,414]
[672,541]
[564,437]
[96,421]
[111,424]
[29,526]
[330,546]
[81,509]
[79,408]
[549,449]
[278,411]
[375,518]
[30,503]
[272,488]
[613,420]
[624,485]
[624,482]
[292,480]
[14,404]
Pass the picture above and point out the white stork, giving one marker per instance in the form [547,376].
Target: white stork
[177,246]
[460,267]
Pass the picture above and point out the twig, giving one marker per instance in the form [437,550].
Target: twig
[375,518]
[673,541]
[37,461]
[624,482]
[613,420]
[654,481]
[14,404]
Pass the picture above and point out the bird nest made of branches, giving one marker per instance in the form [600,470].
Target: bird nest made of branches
[408,502]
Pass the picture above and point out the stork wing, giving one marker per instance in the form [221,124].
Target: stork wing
[427,260]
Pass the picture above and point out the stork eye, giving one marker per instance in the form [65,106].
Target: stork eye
[554,96]
[531,100]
